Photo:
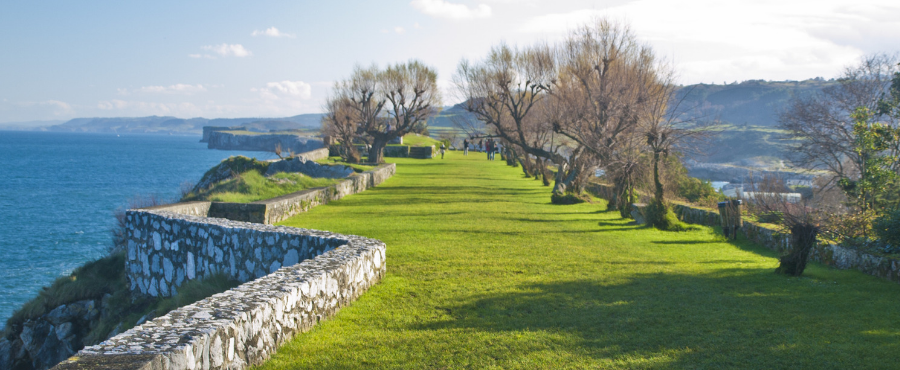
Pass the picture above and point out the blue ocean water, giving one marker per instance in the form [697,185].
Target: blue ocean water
[58,192]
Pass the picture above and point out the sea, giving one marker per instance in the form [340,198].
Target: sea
[59,191]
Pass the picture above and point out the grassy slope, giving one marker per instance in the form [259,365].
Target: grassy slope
[252,186]
[484,273]
[419,140]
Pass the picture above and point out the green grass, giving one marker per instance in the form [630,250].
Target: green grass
[251,186]
[89,281]
[484,273]
[420,140]
[332,161]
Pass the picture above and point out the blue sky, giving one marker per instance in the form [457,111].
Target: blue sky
[63,59]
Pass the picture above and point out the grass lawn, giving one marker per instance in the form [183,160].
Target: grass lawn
[483,272]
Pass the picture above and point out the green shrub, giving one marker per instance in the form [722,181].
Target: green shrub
[662,217]
[887,228]
[696,190]
[771,217]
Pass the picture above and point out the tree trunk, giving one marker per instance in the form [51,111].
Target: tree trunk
[376,152]
[803,238]
[527,166]
[658,192]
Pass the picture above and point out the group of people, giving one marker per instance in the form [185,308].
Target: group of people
[489,146]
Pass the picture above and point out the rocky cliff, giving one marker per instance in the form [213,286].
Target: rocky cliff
[262,142]
[52,337]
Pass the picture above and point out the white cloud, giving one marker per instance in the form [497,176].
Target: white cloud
[416,25]
[225,50]
[183,109]
[444,9]
[272,32]
[399,30]
[285,89]
[715,41]
[182,89]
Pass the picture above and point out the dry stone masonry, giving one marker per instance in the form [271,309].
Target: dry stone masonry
[825,253]
[244,326]
[293,278]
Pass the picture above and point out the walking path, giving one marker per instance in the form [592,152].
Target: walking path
[483,272]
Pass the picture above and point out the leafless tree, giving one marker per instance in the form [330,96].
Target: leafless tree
[411,95]
[341,123]
[800,219]
[822,126]
[508,92]
[381,105]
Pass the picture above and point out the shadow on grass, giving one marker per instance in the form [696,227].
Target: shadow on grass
[735,318]
[676,242]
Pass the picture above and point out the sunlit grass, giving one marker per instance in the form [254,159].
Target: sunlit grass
[251,186]
[484,273]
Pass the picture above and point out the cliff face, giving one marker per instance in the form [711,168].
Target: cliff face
[209,129]
[262,142]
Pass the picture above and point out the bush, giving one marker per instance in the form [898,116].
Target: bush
[699,191]
[771,217]
[662,217]
[887,228]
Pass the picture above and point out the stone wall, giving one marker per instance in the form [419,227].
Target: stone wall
[315,155]
[393,151]
[242,327]
[826,253]
[293,278]
[274,210]
[173,243]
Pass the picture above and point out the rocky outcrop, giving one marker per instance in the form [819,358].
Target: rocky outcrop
[262,142]
[53,337]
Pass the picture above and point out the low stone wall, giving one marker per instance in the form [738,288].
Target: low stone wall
[244,326]
[825,253]
[301,277]
[828,254]
[274,210]
[173,243]
[393,151]
[422,152]
[315,155]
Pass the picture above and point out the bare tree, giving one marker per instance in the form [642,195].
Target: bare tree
[411,97]
[341,122]
[800,219]
[507,92]
[597,99]
[823,124]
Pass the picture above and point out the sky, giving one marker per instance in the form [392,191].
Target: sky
[224,59]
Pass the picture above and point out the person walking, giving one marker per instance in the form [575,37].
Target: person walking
[465,146]
[488,148]
[442,150]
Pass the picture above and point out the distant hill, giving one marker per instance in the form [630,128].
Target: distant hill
[754,102]
[170,125]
